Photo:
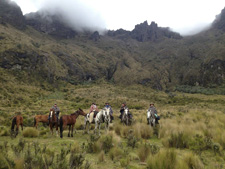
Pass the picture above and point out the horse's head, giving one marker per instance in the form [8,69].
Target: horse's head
[81,112]
[106,114]
[52,112]
[126,111]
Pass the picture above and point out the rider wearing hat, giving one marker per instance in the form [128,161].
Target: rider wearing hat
[111,111]
[153,109]
[57,111]
[123,107]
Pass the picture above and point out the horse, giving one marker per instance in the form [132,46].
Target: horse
[151,118]
[125,118]
[69,120]
[53,121]
[40,118]
[101,117]
[17,120]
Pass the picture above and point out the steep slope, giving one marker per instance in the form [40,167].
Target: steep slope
[148,55]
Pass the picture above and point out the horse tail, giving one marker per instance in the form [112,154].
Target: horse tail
[35,121]
[13,123]
[61,127]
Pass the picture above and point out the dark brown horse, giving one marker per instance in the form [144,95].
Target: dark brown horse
[53,121]
[40,118]
[69,120]
[17,120]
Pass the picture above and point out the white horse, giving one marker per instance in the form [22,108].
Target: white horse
[102,117]
[125,117]
[151,118]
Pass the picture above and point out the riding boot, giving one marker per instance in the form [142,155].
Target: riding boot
[147,120]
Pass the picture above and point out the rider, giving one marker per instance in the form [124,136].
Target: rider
[153,109]
[111,111]
[94,109]
[56,109]
[123,107]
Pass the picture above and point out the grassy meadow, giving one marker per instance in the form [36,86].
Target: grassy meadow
[190,135]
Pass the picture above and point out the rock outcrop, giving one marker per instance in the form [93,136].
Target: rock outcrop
[95,36]
[49,24]
[144,32]
[11,13]
[219,23]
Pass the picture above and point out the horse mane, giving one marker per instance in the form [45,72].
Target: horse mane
[76,112]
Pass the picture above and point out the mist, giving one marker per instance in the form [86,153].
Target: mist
[74,13]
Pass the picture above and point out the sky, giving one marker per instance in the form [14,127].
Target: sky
[184,16]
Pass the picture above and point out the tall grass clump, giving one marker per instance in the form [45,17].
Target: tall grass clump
[193,161]
[165,159]
[177,140]
[116,153]
[30,132]
[145,150]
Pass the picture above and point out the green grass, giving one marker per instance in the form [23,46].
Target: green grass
[198,117]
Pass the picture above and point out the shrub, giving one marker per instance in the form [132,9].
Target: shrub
[216,148]
[179,140]
[193,161]
[106,143]
[146,149]
[143,152]
[124,162]
[101,157]
[146,132]
[76,160]
[30,132]
[5,132]
[164,159]
[115,153]
[132,140]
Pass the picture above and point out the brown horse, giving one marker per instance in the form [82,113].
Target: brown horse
[69,120]
[40,118]
[53,121]
[17,120]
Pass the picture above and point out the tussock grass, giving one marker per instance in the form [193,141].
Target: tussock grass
[30,132]
[164,159]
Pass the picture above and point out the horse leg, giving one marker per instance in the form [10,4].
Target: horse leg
[72,130]
[21,126]
[99,127]
[69,131]
[17,129]
[57,131]
[96,126]
[88,127]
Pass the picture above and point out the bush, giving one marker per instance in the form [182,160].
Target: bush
[76,160]
[106,143]
[164,159]
[179,140]
[146,132]
[115,153]
[30,132]
[193,161]
[125,162]
[145,150]
[5,132]
[101,157]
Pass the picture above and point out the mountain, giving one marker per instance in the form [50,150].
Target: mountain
[44,48]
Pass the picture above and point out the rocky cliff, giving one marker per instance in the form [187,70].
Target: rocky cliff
[11,13]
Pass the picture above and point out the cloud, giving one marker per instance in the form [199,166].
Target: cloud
[74,13]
